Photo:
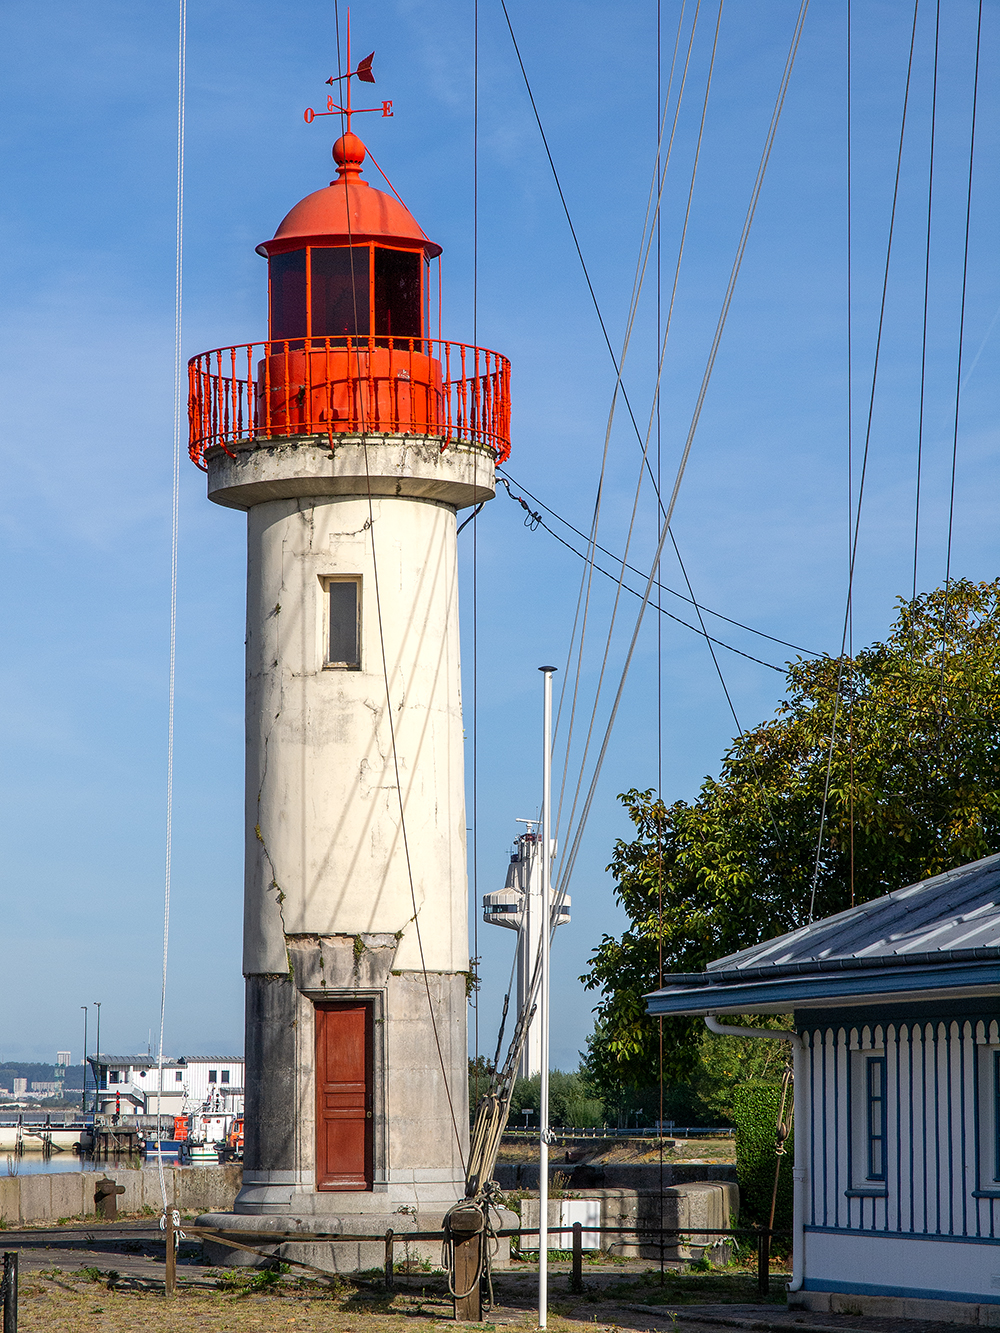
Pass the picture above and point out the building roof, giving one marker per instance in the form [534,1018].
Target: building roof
[211,1059]
[941,935]
[151,1062]
[135,1061]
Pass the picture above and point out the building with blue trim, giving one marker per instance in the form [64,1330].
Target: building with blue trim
[896,1048]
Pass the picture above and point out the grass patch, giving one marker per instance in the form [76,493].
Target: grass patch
[720,1286]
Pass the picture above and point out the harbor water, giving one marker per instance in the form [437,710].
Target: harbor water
[34,1164]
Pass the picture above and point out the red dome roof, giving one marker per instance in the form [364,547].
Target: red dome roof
[348,210]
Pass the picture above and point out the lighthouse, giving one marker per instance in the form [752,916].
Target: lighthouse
[350,439]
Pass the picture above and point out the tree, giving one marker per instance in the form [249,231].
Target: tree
[571,1103]
[901,744]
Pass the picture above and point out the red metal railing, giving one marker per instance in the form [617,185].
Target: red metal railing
[349,386]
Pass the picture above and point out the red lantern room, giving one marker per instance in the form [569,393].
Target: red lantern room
[348,350]
[348,261]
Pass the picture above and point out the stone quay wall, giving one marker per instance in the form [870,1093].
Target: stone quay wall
[47,1198]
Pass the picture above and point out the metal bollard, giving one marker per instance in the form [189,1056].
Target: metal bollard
[9,1284]
[763,1262]
[389,1275]
[170,1277]
[577,1281]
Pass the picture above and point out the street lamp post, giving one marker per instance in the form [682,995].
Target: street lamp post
[83,1098]
[97,1072]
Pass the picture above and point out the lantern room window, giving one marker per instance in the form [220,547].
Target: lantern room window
[339,284]
[288,294]
[397,293]
[341,292]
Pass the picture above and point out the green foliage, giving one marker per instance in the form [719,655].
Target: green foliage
[571,1102]
[705,1096]
[245,1281]
[480,1073]
[755,1110]
[914,789]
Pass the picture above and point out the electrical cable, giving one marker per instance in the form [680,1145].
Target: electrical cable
[658,184]
[864,468]
[537,521]
[179,419]
[583,599]
[961,326]
[534,521]
[927,282]
[645,448]
[689,441]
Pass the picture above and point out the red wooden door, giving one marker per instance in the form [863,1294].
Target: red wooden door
[343,1097]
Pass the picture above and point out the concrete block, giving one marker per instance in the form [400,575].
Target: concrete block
[697,1208]
[131,1200]
[207,1188]
[36,1198]
[10,1198]
[895,1307]
[68,1194]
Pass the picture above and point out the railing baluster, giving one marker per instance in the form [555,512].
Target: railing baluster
[471,405]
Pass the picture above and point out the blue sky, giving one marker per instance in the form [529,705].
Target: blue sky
[86,294]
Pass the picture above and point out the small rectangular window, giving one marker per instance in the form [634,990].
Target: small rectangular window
[876,1115]
[213,1076]
[343,640]
[178,1076]
[224,1077]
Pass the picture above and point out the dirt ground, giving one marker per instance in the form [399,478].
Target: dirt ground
[109,1278]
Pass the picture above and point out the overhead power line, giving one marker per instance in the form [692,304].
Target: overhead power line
[506,478]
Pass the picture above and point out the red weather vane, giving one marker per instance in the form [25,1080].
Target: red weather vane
[364,74]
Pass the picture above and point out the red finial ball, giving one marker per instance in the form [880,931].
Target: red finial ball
[348,153]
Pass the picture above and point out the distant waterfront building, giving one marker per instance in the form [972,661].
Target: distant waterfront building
[128,1084]
[47,1088]
[62,1059]
[20,1087]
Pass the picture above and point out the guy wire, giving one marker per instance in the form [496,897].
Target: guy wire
[958,369]
[927,281]
[864,462]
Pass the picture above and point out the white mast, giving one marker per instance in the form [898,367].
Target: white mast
[543,1111]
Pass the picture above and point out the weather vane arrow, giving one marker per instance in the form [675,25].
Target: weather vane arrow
[364,74]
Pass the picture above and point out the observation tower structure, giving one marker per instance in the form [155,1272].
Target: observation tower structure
[518,906]
[351,438]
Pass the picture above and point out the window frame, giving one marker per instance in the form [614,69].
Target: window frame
[875,1103]
[326,582]
[987,1120]
[861,1183]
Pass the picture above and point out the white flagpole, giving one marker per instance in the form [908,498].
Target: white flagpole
[543,1110]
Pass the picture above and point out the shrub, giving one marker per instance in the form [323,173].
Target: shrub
[755,1110]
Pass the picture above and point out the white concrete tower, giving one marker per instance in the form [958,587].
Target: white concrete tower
[351,439]
[518,906]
